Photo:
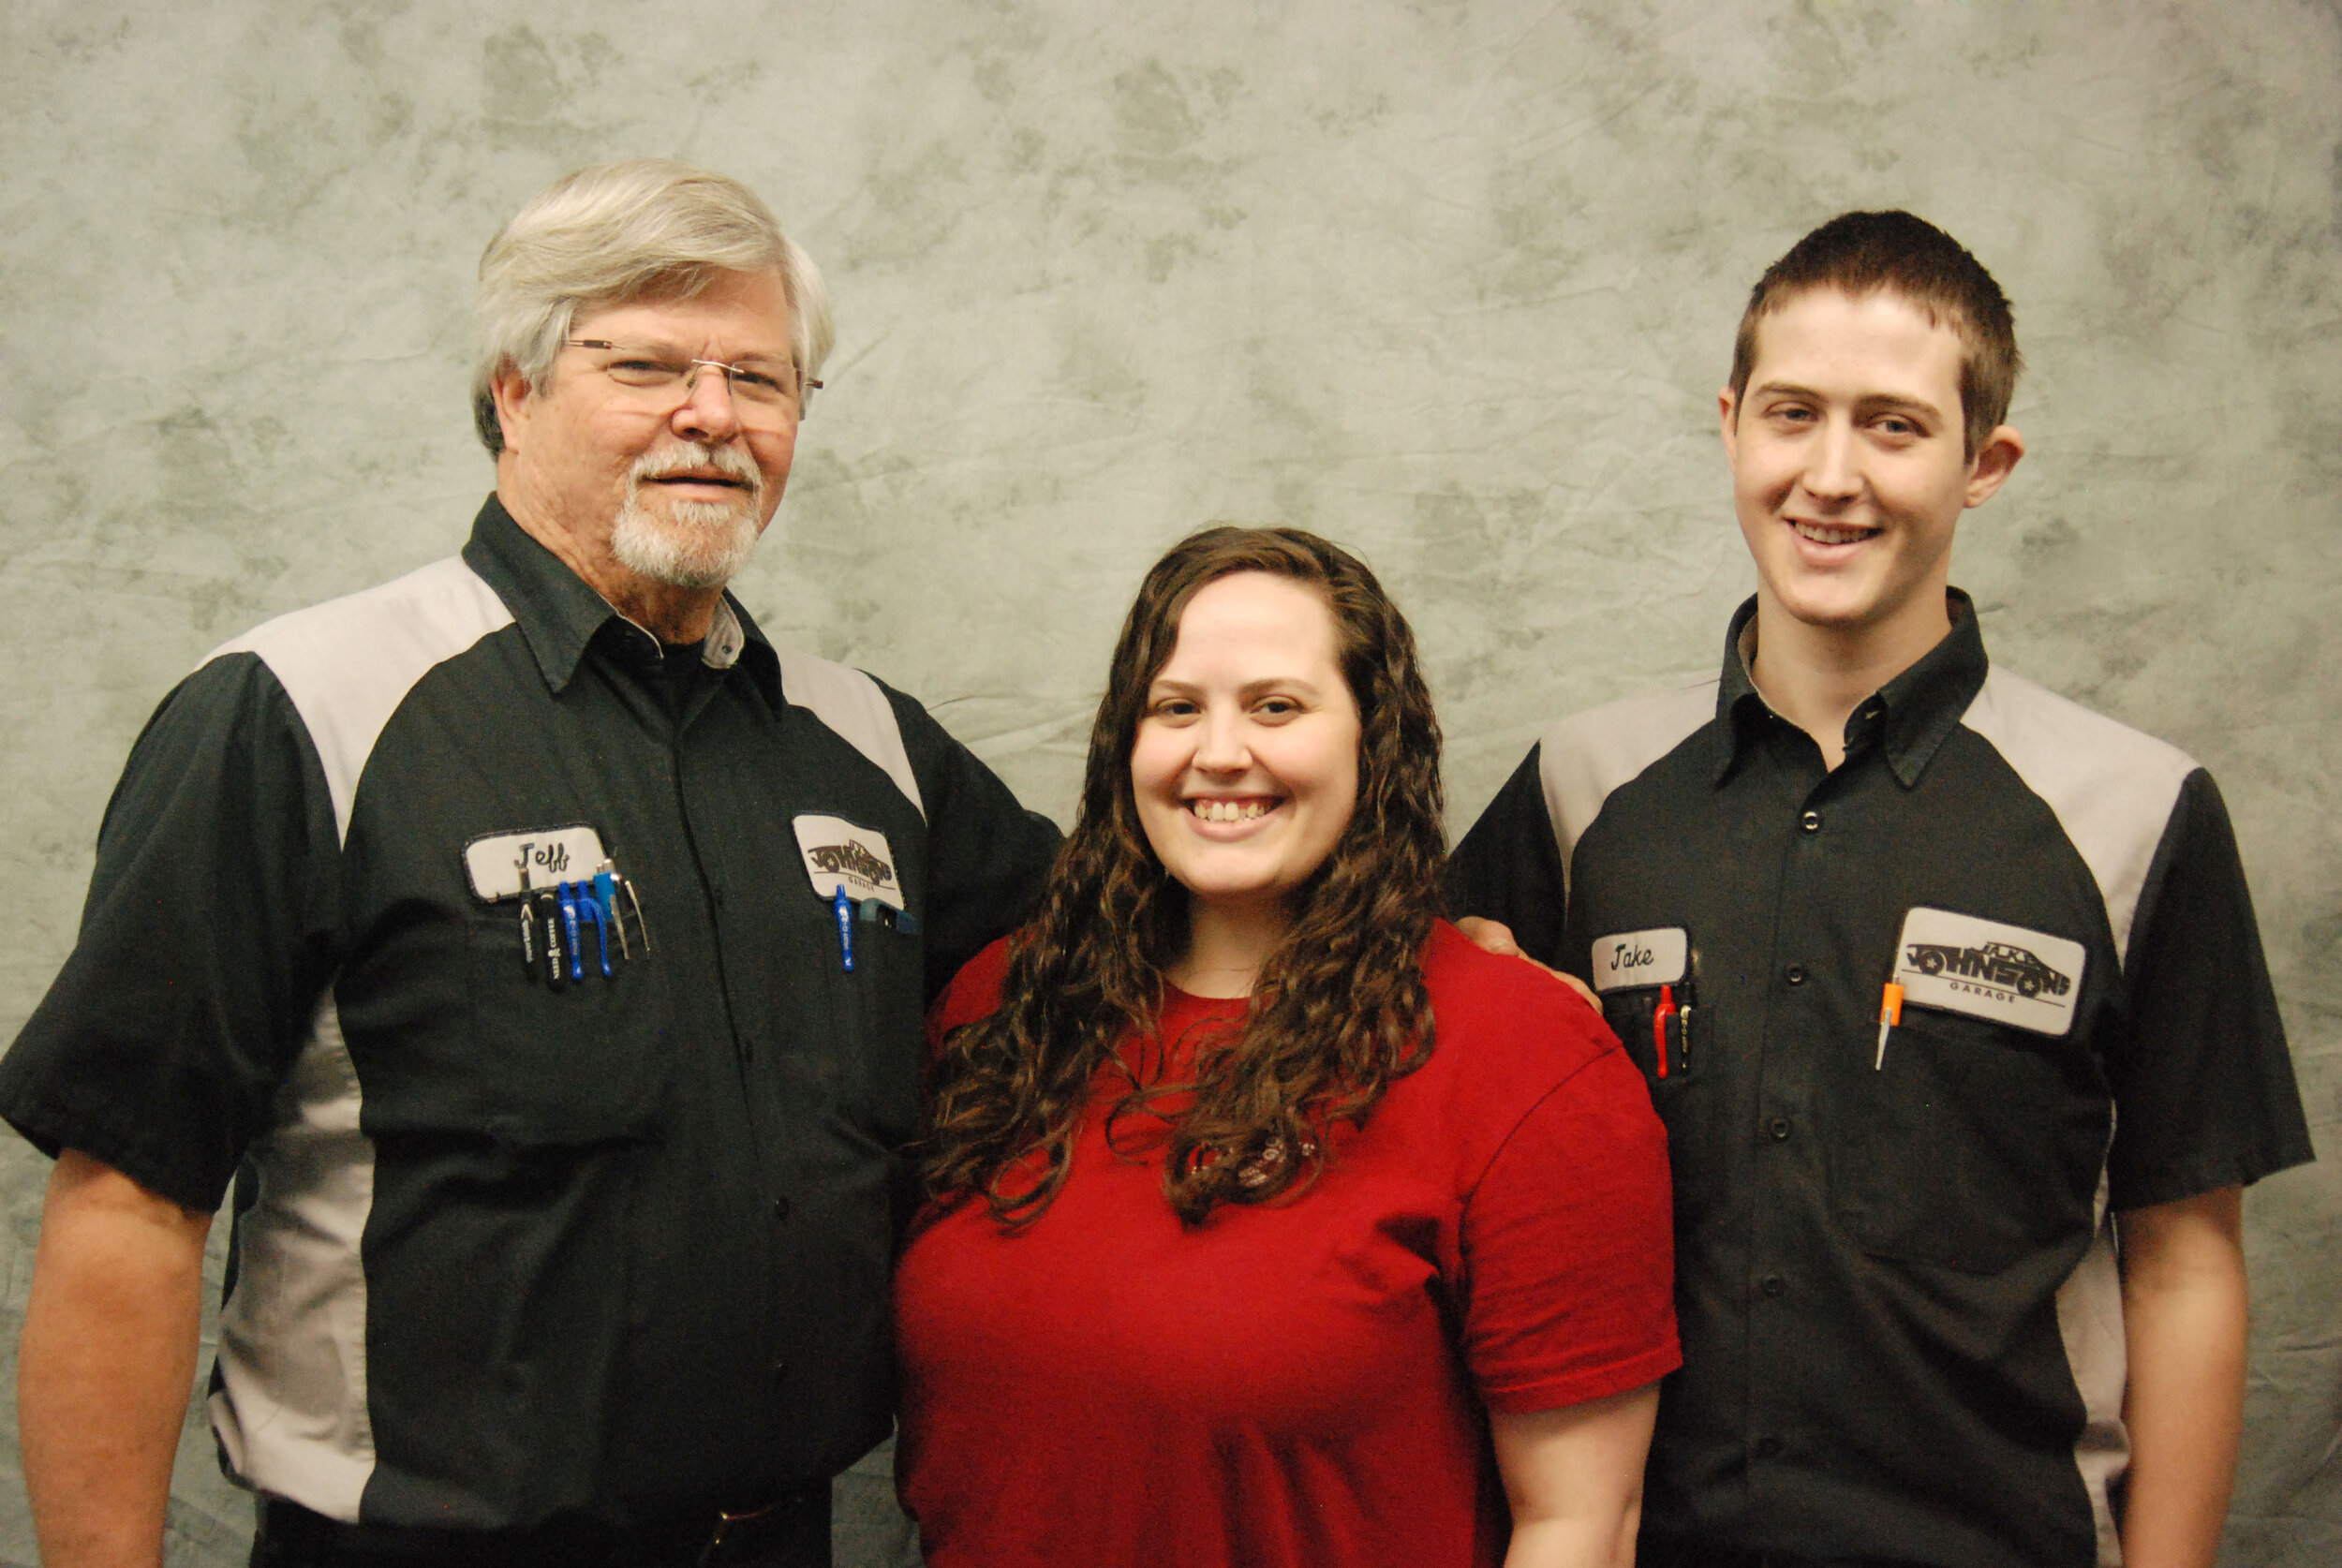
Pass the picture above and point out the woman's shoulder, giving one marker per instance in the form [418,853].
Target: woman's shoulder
[1507,1011]
[974,992]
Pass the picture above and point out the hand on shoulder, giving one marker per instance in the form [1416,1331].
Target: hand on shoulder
[1494,936]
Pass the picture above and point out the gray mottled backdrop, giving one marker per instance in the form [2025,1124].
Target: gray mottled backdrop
[1453,281]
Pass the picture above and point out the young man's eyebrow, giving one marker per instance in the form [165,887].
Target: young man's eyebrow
[1869,402]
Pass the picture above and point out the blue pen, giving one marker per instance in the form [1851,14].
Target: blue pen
[589,908]
[606,894]
[567,895]
[843,905]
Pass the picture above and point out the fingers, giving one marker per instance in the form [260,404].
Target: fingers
[1492,936]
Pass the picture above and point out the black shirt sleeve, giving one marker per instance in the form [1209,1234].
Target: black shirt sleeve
[2203,1086]
[1508,866]
[988,856]
[205,943]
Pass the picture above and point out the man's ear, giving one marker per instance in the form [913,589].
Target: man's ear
[1728,408]
[512,395]
[1993,462]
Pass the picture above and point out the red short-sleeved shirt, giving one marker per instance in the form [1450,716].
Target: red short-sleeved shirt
[1297,1383]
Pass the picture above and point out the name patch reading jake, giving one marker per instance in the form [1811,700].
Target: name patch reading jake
[1659,957]
[1986,969]
[840,854]
[493,862]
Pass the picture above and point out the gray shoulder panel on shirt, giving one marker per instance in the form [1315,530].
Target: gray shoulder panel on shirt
[1586,756]
[853,706]
[347,663]
[2112,788]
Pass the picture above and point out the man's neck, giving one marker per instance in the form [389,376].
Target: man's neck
[1817,677]
[669,614]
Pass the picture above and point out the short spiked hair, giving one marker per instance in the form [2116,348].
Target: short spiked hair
[1859,253]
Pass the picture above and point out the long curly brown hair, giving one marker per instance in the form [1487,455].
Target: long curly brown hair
[1338,1009]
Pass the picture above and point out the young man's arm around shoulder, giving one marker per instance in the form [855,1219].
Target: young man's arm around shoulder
[2183,1321]
[107,1359]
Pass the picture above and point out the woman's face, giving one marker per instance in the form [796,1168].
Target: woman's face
[1246,762]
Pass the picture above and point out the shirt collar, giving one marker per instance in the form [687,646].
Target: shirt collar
[560,615]
[1912,714]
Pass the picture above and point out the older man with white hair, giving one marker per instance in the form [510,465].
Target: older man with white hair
[546,956]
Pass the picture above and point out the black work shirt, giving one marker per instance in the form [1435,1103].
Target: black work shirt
[1896,1277]
[510,1250]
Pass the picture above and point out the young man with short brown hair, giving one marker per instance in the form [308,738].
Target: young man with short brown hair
[1948,991]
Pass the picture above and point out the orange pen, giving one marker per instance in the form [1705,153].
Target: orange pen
[1890,1015]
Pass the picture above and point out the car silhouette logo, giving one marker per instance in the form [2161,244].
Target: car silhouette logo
[1998,964]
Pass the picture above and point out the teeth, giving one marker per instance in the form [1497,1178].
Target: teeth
[1822,533]
[1227,810]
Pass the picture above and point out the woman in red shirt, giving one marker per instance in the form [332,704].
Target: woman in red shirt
[1273,1222]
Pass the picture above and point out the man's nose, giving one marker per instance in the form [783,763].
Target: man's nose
[707,411]
[1834,467]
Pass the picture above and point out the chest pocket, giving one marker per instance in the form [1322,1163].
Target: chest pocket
[875,1010]
[580,1062]
[1645,981]
[1968,1148]
[1657,1025]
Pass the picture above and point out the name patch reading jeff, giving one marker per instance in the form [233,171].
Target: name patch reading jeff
[1986,969]
[1626,959]
[839,854]
[493,862]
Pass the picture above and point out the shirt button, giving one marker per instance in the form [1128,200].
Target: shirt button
[1811,821]
[1773,1284]
[1779,1128]
[1767,1447]
[780,1210]
[1794,974]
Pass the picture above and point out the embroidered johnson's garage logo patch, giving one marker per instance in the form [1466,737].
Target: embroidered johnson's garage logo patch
[1988,970]
[837,854]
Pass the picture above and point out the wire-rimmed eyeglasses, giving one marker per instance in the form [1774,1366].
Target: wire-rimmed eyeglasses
[764,392]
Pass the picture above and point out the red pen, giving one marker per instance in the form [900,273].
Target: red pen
[1659,1017]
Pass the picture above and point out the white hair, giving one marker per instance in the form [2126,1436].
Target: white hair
[647,228]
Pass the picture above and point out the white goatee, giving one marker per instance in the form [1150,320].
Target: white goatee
[700,544]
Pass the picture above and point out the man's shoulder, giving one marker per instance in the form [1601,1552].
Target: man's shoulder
[1648,725]
[349,664]
[2042,732]
[431,612]
[1583,759]
[860,709]
[2114,791]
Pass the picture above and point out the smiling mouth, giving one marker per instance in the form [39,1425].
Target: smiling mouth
[1231,811]
[696,462]
[1832,533]
[725,481]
